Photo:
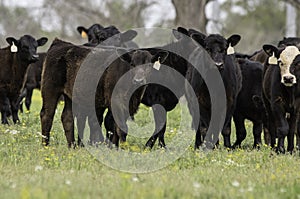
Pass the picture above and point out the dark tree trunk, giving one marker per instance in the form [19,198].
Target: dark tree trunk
[191,14]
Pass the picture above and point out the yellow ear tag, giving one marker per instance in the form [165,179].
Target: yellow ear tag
[83,35]
[13,48]
[273,60]
[230,50]
[156,65]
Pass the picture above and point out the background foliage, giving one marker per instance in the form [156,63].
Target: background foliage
[258,21]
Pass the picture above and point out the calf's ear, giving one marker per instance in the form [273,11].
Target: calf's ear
[271,50]
[12,40]
[193,31]
[128,35]
[160,56]
[178,34]
[233,40]
[182,30]
[42,41]
[273,53]
[199,38]
[124,55]
[82,31]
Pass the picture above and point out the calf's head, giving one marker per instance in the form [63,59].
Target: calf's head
[285,59]
[26,47]
[289,41]
[142,63]
[217,46]
[90,33]
[111,36]
[184,41]
[295,67]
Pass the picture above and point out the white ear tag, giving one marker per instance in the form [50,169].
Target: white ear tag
[84,35]
[230,50]
[156,65]
[273,60]
[13,48]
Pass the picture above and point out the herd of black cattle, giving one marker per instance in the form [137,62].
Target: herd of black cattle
[262,87]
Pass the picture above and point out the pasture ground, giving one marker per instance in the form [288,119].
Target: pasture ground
[28,170]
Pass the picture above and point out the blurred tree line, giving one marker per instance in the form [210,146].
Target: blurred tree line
[258,21]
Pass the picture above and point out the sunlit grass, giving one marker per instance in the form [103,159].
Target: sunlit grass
[28,170]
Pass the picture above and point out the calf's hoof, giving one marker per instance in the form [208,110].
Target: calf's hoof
[150,143]
[256,146]
[280,150]
[236,146]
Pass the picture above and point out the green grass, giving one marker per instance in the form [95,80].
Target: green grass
[28,170]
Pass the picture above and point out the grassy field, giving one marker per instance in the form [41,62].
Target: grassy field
[28,170]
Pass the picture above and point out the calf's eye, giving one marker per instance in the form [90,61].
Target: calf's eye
[281,64]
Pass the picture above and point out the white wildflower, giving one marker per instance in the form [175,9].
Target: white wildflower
[68,182]
[196,185]
[282,190]
[40,134]
[135,179]
[250,189]
[13,185]
[235,183]
[230,162]
[38,168]
[14,132]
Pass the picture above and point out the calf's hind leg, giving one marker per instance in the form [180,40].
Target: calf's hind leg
[14,111]
[240,130]
[28,98]
[96,135]
[257,129]
[160,117]
[80,121]
[68,121]
[4,107]
[291,134]
[298,136]
[47,114]
[109,125]
[226,135]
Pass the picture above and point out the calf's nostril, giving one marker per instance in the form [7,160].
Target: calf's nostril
[138,81]
[219,64]
[35,57]
[288,79]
